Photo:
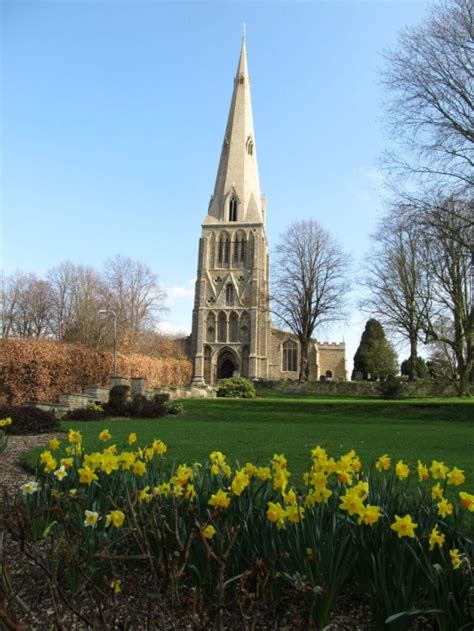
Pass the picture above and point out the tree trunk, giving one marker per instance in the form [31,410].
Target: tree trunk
[412,363]
[304,365]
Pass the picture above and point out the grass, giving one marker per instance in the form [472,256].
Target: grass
[253,430]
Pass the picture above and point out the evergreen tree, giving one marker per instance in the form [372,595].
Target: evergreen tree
[375,357]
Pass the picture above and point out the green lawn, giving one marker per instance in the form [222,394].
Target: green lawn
[252,430]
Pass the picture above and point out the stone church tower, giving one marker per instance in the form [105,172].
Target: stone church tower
[231,321]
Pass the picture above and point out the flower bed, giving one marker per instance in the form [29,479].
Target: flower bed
[218,537]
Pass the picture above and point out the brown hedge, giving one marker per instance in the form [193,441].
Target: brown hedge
[41,370]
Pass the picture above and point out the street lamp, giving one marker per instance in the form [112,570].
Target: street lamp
[104,312]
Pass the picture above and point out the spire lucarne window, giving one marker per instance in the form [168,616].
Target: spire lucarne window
[233,209]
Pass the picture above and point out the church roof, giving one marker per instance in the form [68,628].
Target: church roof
[237,174]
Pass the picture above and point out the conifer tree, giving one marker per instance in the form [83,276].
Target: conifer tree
[375,357]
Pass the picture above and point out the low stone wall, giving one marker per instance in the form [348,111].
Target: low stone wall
[364,388]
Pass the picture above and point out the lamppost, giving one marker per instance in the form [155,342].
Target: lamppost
[104,312]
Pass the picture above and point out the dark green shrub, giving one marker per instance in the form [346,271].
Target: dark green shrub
[391,388]
[136,404]
[237,387]
[174,407]
[119,397]
[28,420]
[416,368]
[89,413]
[153,409]
[162,397]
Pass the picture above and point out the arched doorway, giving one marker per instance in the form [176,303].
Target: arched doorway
[227,365]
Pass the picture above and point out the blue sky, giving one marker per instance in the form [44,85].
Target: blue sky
[113,115]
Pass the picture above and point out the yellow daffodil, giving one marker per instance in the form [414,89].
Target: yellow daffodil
[263,473]
[455,558]
[370,516]
[402,470]
[132,438]
[5,422]
[73,492]
[240,482]
[404,526]
[310,554]
[319,495]
[250,469]
[145,495]
[116,585]
[438,470]
[436,538]
[423,473]
[159,447]
[351,503]
[437,492]
[220,499]
[279,461]
[189,492]
[54,444]
[456,476]
[280,478]
[294,513]
[163,489]
[139,468]
[445,508]
[91,518]
[109,463]
[74,437]
[208,532]
[383,463]
[66,462]
[276,514]
[361,490]
[105,435]
[116,518]
[86,475]
[467,501]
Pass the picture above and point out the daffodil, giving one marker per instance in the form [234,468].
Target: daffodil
[139,468]
[437,492]
[116,585]
[456,476]
[74,437]
[208,532]
[445,508]
[455,558]
[436,538]
[115,517]
[240,482]
[467,501]
[86,475]
[220,499]
[132,438]
[383,463]
[145,495]
[91,518]
[402,470]
[351,503]
[438,470]
[276,514]
[423,473]
[54,444]
[60,473]
[263,473]
[404,526]
[370,516]
[30,487]
[294,513]
[105,435]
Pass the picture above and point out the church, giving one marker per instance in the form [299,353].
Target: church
[232,333]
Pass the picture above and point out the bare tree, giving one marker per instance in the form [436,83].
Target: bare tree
[397,279]
[64,280]
[309,283]
[451,321]
[429,81]
[136,296]
[26,306]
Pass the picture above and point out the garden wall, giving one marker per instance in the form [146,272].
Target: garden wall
[365,388]
[40,370]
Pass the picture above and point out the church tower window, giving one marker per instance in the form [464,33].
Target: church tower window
[249,144]
[233,209]
[229,294]
[223,257]
[289,356]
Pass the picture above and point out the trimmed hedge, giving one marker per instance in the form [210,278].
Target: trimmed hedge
[236,387]
[41,370]
[28,420]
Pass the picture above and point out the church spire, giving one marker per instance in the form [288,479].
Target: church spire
[237,189]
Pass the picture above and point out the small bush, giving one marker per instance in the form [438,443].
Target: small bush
[174,407]
[153,409]
[237,387]
[391,388]
[163,397]
[119,397]
[89,413]
[136,404]
[28,420]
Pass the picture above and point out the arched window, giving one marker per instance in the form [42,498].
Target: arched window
[229,294]
[249,144]
[289,356]
[233,327]
[241,79]
[239,249]
[328,374]
[211,328]
[232,209]
[224,250]
[222,329]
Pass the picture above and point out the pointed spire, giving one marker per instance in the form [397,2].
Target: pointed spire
[237,175]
